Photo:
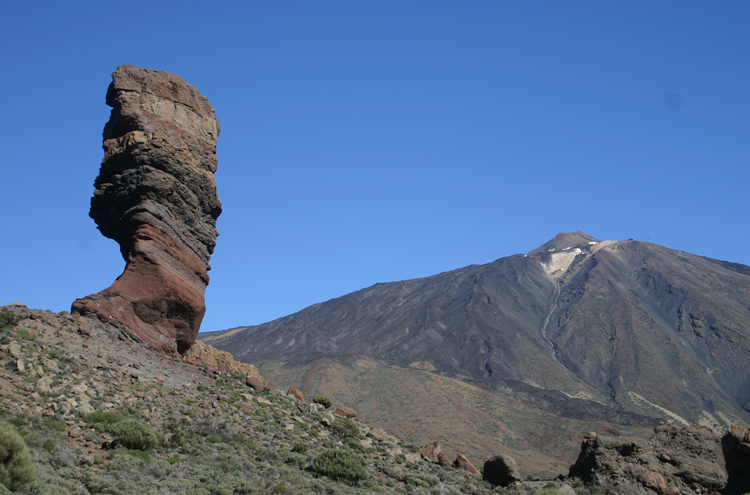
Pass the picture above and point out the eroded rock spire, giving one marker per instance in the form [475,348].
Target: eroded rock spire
[156,196]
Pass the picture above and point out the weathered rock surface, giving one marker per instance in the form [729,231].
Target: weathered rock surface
[462,462]
[156,196]
[206,355]
[501,470]
[345,412]
[431,451]
[735,445]
[687,459]
[293,392]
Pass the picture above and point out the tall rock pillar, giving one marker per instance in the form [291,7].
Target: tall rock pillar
[156,196]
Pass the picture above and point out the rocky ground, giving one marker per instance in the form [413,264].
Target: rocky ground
[216,434]
[220,430]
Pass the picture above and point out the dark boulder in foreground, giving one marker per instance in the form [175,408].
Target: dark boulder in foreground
[156,196]
[501,470]
[736,447]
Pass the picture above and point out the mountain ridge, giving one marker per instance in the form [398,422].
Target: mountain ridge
[618,332]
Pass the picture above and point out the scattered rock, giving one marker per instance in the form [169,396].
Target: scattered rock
[462,462]
[377,434]
[345,412]
[296,394]
[85,408]
[443,460]
[15,350]
[654,481]
[255,383]
[431,451]
[501,470]
[156,196]
[202,353]
[44,385]
[271,389]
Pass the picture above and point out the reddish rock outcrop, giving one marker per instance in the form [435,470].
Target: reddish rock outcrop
[221,361]
[156,196]
[296,394]
[345,412]
[431,451]
[462,462]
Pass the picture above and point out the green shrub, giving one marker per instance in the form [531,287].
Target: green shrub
[138,454]
[345,427]
[9,318]
[53,424]
[133,434]
[299,447]
[25,334]
[213,439]
[54,354]
[15,464]
[323,401]
[341,465]
[352,443]
[105,418]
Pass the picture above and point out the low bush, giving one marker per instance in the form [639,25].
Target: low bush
[9,318]
[323,401]
[138,454]
[299,447]
[25,334]
[104,418]
[15,464]
[133,434]
[345,427]
[341,465]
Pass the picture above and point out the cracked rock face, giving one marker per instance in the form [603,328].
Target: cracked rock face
[156,196]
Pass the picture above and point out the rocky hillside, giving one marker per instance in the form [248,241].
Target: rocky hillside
[619,334]
[97,413]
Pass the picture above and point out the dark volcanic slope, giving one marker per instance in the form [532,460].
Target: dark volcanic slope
[641,330]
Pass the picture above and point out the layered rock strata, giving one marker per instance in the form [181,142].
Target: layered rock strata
[156,196]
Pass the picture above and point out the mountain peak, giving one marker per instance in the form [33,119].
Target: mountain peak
[565,240]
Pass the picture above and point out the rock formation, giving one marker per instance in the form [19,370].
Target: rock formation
[156,196]
[221,361]
[501,470]
[736,447]
[675,460]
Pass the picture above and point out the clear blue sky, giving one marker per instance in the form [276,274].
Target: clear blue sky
[368,142]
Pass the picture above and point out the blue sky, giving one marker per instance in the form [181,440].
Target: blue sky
[367,142]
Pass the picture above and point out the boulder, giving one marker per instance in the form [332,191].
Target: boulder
[271,389]
[255,384]
[431,451]
[501,470]
[735,445]
[443,460]
[209,356]
[345,412]
[296,394]
[156,196]
[462,462]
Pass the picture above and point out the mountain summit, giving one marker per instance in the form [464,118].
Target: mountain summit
[621,333]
